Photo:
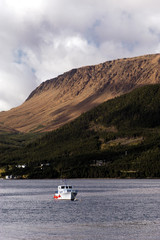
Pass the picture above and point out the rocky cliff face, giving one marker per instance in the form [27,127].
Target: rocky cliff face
[62,99]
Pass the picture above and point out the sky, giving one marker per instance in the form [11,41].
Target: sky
[41,39]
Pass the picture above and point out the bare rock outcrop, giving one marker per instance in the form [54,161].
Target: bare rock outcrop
[62,99]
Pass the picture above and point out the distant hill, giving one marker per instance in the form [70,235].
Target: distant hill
[62,99]
[119,138]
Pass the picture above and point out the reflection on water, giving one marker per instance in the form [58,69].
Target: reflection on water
[105,209]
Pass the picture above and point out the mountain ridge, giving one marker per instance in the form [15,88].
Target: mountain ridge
[62,99]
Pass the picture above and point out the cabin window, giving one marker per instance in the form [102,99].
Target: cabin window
[62,187]
[70,186]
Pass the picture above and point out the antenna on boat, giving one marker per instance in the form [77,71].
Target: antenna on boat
[65,181]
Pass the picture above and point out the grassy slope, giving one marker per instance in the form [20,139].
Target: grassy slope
[119,138]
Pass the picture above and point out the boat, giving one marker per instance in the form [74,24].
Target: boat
[65,192]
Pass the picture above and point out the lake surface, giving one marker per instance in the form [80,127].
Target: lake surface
[105,209]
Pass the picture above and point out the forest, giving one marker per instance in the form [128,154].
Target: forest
[118,139]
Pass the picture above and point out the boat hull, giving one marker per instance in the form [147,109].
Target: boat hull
[66,196]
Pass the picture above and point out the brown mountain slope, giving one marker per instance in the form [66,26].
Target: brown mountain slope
[62,99]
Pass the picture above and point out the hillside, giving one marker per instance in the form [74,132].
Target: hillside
[119,138]
[62,99]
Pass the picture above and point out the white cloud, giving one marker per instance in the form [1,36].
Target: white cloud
[41,39]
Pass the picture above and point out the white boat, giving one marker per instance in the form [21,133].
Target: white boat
[65,192]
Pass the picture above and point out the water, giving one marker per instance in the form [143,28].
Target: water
[105,209]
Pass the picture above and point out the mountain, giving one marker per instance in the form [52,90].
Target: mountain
[118,138]
[62,99]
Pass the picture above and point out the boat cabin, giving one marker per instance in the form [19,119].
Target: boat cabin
[65,187]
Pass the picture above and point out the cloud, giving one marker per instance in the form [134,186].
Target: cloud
[41,39]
